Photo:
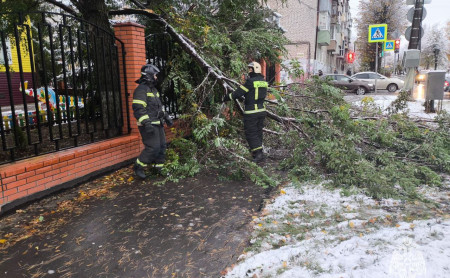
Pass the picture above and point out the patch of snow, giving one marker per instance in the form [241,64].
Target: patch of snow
[353,246]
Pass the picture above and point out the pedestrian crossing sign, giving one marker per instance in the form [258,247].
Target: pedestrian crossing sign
[389,45]
[377,32]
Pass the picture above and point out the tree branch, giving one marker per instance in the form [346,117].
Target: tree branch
[179,38]
[138,4]
[63,6]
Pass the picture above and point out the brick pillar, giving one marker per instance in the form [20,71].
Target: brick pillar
[133,38]
[277,73]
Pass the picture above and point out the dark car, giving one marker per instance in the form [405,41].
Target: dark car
[349,84]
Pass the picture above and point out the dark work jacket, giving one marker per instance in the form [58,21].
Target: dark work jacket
[146,104]
[254,91]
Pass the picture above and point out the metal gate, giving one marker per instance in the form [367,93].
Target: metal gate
[60,85]
[158,51]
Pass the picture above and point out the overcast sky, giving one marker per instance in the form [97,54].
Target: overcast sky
[438,11]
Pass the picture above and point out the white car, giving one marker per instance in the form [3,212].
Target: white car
[383,82]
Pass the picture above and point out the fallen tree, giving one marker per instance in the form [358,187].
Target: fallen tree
[314,133]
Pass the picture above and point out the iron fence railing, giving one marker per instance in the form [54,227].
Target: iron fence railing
[158,51]
[60,84]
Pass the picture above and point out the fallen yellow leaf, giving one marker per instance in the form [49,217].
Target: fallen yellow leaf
[282,191]
[284,264]
[397,225]
[130,179]
[2,241]
[351,224]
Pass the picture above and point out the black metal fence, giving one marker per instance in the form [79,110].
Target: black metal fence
[158,51]
[60,85]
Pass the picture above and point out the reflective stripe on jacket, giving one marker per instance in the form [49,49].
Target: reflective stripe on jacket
[254,91]
[147,105]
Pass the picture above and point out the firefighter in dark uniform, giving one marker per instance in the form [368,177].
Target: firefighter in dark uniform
[148,110]
[254,91]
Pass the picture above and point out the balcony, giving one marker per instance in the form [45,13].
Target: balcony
[323,38]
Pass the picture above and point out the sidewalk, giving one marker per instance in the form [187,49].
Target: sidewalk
[116,226]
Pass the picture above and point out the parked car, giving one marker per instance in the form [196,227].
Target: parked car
[349,84]
[383,82]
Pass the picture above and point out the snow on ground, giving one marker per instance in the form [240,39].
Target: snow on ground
[416,108]
[313,231]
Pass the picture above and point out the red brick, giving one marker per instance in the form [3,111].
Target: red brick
[18,195]
[66,157]
[59,165]
[66,179]
[80,153]
[43,170]
[53,183]
[51,161]
[93,150]
[25,175]
[35,178]
[8,180]
[52,173]
[75,161]
[67,168]
[36,189]
[27,186]
[8,192]
[34,166]
[95,159]
[14,170]
[60,175]
[16,184]
[44,181]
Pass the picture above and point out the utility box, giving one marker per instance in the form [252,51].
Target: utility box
[433,84]
[411,58]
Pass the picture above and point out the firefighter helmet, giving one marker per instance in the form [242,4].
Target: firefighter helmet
[148,72]
[256,67]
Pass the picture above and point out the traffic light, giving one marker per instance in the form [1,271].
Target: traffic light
[397,44]
[350,57]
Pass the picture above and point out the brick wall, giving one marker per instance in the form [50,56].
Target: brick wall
[36,177]
[299,18]
[39,174]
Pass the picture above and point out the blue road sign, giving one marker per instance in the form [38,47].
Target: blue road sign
[389,45]
[377,32]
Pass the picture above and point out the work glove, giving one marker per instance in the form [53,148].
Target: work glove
[168,120]
[149,128]
[160,115]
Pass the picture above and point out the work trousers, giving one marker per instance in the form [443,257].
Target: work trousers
[155,145]
[253,127]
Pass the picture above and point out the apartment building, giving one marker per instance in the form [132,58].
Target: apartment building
[319,32]
[333,35]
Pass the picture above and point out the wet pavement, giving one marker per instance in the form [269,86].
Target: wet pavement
[116,226]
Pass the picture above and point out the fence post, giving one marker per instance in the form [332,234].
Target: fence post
[132,36]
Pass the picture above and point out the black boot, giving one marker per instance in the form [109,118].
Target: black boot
[258,156]
[139,171]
